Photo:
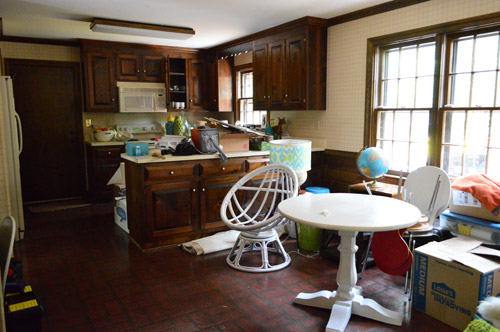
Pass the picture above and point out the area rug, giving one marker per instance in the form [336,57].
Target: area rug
[57,206]
[217,242]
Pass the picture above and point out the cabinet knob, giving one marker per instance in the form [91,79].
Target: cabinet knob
[203,189]
[223,168]
[304,100]
[171,172]
[138,71]
[109,152]
[144,70]
[112,99]
[286,96]
[265,97]
[194,189]
[215,100]
[268,97]
[191,100]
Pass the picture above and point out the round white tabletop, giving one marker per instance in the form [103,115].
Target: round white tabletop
[352,212]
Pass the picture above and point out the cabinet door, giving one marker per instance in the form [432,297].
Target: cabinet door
[195,84]
[275,73]
[127,67]
[225,85]
[153,69]
[171,208]
[101,82]
[212,194]
[102,164]
[295,81]
[259,78]
[212,88]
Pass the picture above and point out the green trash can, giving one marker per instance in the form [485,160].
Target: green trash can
[310,237]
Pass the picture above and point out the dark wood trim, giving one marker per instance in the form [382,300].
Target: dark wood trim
[374,10]
[247,40]
[143,26]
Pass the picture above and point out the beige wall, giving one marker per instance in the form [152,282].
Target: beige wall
[343,122]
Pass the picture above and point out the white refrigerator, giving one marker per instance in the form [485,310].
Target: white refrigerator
[11,200]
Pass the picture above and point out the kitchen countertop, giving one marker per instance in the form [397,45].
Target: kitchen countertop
[110,143]
[170,158]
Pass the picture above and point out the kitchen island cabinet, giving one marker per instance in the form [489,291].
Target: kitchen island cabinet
[178,199]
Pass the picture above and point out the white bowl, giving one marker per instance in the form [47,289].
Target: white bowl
[104,136]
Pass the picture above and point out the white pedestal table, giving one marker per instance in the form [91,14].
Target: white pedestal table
[349,214]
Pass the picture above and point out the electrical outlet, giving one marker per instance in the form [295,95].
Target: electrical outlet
[88,123]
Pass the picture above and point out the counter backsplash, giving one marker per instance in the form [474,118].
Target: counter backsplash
[112,119]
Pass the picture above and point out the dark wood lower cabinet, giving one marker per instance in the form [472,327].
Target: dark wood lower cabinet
[174,202]
[102,163]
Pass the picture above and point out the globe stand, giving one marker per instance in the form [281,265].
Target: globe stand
[376,185]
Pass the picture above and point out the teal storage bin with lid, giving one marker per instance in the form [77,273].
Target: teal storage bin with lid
[310,237]
[132,148]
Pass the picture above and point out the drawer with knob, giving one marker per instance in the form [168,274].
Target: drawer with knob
[169,171]
[216,168]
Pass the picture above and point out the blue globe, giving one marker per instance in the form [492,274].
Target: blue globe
[372,163]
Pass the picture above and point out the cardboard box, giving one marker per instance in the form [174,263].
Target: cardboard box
[452,276]
[234,142]
[464,203]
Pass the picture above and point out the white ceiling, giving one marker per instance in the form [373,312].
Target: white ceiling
[215,21]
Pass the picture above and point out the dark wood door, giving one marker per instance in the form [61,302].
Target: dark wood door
[275,72]
[153,68]
[127,67]
[171,208]
[295,81]
[101,82]
[259,78]
[47,95]
[212,194]
[195,84]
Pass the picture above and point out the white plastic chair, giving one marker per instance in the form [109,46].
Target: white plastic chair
[429,189]
[7,234]
[251,207]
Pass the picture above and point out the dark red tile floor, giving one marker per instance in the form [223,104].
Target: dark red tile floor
[90,277]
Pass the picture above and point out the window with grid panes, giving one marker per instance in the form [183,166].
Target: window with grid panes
[437,99]
[245,100]
[405,102]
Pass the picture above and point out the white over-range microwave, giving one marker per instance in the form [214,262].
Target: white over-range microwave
[142,97]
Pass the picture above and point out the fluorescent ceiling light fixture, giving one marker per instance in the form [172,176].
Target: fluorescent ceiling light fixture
[140,29]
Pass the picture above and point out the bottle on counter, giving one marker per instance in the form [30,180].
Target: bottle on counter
[169,126]
[178,126]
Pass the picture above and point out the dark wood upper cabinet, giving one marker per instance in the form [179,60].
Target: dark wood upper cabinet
[289,68]
[275,75]
[100,82]
[195,84]
[295,80]
[153,68]
[127,67]
[260,77]
[140,68]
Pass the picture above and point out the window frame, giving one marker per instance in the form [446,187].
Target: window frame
[443,35]
[237,70]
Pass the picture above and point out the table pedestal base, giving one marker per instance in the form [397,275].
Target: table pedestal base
[342,309]
[347,299]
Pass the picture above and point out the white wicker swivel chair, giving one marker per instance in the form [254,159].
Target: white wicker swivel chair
[251,207]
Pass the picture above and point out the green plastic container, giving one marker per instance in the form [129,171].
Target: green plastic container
[309,237]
